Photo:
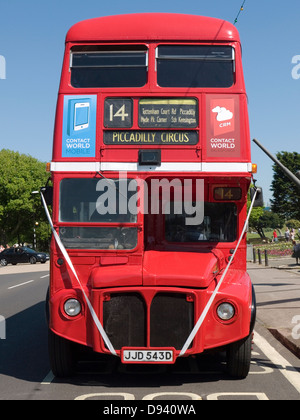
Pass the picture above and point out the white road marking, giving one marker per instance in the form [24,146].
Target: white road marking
[20,284]
[125,395]
[48,378]
[26,282]
[259,395]
[154,396]
[290,373]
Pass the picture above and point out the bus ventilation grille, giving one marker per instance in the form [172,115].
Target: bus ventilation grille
[125,320]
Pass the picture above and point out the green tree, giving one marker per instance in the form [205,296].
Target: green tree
[261,219]
[292,223]
[19,210]
[256,213]
[266,220]
[286,194]
[254,220]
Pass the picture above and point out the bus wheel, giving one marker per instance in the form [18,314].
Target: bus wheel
[239,358]
[61,355]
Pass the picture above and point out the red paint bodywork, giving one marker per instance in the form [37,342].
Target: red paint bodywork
[146,270]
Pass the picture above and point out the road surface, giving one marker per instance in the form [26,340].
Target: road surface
[25,373]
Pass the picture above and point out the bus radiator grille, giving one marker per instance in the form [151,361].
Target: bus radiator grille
[125,320]
[171,320]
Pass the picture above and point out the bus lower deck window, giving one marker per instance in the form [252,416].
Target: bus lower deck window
[195,66]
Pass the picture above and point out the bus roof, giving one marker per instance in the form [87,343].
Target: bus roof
[153,27]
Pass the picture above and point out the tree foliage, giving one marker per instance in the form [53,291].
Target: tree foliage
[266,220]
[261,219]
[286,194]
[19,209]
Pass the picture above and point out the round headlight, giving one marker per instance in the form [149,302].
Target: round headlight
[72,307]
[225,311]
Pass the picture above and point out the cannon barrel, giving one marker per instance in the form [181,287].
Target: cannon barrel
[288,173]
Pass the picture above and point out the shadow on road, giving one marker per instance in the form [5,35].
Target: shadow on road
[24,352]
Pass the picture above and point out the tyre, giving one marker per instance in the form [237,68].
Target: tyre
[3,262]
[32,260]
[239,358]
[47,307]
[61,355]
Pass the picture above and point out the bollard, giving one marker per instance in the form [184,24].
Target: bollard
[266,258]
[254,255]
[259,256]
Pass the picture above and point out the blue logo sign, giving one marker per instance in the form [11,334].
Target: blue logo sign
[79,126]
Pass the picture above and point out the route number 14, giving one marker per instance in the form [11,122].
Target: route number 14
[121,112]
[118,113]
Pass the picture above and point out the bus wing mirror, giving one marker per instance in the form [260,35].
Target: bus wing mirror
[259,200]
[48,194]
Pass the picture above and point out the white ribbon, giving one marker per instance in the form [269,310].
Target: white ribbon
[93,313]
[67,258]
[209,303]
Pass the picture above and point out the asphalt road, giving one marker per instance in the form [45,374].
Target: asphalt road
[25,372]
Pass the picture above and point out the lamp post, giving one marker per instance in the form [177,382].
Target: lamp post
[35,224]
[34,234]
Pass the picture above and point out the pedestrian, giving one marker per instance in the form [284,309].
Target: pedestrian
[296,251]
[1,248]
[275,236]
[287,234]
[292,234]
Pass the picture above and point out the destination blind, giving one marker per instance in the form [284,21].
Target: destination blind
[166,113]
[169,138]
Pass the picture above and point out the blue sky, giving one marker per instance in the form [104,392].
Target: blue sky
[32,37]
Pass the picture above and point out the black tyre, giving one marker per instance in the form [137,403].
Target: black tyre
[239,358]
[3,262]
[47,308]
[61,355]
[32,260]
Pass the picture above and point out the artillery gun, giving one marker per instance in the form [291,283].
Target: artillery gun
[289,174]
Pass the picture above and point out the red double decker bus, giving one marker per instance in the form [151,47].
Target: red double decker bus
[151,169]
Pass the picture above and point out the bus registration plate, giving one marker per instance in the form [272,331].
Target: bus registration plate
[147,356]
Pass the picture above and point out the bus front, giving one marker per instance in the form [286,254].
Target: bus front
[151,168]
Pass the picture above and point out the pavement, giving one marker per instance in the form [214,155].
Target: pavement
[24,268]
[277,288]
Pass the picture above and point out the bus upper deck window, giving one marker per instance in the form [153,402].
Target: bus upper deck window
[195,66]
[108,68]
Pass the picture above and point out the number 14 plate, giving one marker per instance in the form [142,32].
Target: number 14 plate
[129,355]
